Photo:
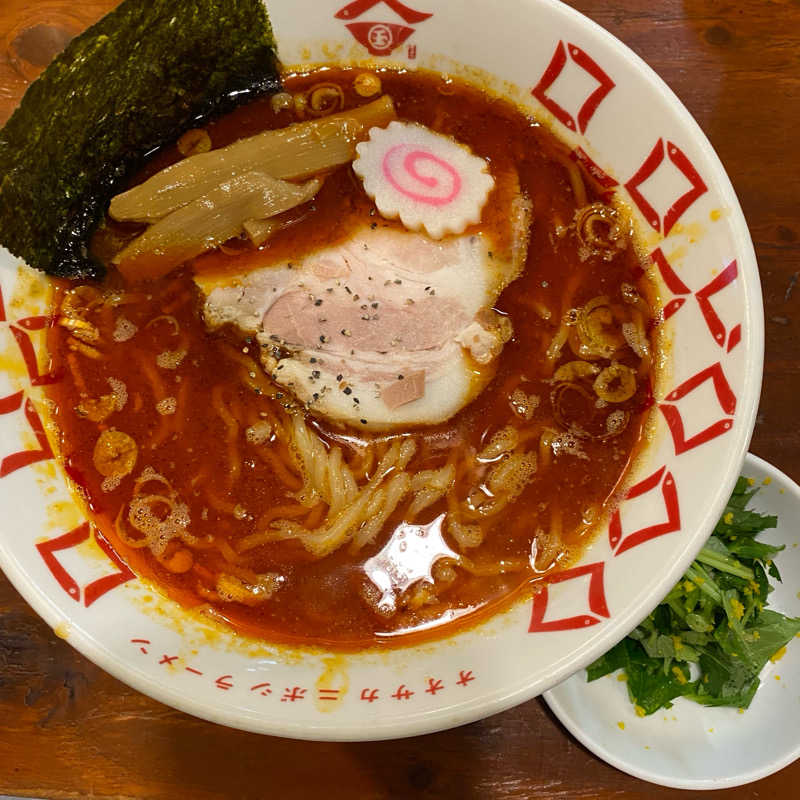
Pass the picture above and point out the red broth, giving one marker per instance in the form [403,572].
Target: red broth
[231,488]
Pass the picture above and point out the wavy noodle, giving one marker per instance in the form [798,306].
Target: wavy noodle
[357,511]
[528,434]
[281,469]
[378,512]
[74,366]
[567,320]
[152,374]
[166,423]
[316,516]
[429,487]
[181,414]
[171,424]
[557,343]
[231,437]
[218,503]
[466,536]
[254,540]
[252,375]
[242,571]
[575,178]
[228,553]
[276,512]
[491,569]
[199,477]
[366,460]
[325,475]
[546,446]
[548,545]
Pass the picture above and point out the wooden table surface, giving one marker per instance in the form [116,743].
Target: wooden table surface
[69,730]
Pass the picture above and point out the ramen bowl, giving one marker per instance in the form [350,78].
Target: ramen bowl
[626,128]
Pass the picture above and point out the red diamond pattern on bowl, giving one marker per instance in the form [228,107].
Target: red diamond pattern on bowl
[359,7]
[380,38]
[20,331]
[23,458]
[661,480]
[672,414]
[650,166]
[703,296]
[590,104]
[606,181]
[94,589]
[596,601]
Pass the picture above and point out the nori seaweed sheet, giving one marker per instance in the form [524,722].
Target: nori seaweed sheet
[130,84]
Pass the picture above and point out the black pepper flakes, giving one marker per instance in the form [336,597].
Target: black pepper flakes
[318,301]
[347,390]
[363,422]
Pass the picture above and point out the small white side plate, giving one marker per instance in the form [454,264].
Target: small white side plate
[690,746]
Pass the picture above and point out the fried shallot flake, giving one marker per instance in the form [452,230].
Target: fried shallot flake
[115,453]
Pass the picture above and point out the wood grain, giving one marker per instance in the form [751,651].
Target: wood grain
[70,730]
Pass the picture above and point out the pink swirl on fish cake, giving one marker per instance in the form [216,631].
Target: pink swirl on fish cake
[400,170]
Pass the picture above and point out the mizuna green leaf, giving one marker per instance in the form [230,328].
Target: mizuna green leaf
[714,619]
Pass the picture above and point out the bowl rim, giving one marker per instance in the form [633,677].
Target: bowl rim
[510,695]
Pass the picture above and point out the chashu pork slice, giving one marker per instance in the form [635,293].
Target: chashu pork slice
[387,329]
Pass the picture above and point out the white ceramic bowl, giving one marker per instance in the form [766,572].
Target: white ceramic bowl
[611,108]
